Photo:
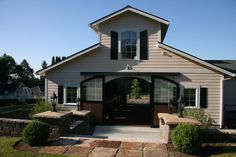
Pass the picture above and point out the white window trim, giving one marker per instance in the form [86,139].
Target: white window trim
[137,44]
[65,94]
[197,97]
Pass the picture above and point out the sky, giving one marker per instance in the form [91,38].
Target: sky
[36,30]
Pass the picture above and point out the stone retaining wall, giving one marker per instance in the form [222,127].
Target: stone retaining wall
[12,127]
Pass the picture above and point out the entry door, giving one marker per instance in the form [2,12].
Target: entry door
[164,91]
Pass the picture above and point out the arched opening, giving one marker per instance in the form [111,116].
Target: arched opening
[127,101]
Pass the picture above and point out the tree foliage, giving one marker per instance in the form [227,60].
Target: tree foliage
[13,74]
[135,89]
[56,59]
[44,64]
[7,69]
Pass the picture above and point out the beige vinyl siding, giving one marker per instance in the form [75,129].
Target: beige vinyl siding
[52,87]
[160,60]
[212,83]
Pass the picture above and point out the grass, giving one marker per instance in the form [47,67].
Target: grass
[4,108]
[7,150]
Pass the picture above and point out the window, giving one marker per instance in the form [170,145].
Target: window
[92,90]
[164,91]
[190,97]
[71,94]
[128,45]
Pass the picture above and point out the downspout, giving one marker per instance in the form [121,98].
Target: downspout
[221,101]
[46,89]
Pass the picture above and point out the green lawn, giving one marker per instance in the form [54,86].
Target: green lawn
[7,150]
[16,110]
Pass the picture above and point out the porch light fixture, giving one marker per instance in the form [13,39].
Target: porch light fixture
[170,106]
[54,102]
[180,106]
[166,54]
[129,67]
[78,101]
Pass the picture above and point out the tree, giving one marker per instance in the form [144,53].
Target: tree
[44,64]
[25,73]
[135,89]
[7,69]
[53,60]
[63,57]
[58,59]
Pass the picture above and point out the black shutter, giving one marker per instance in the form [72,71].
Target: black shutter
[144,45]
[114,45]
[60,94]
[203,97]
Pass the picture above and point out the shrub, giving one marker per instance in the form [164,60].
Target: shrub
[186,138]
[200,115]
[40,106]
[36,133]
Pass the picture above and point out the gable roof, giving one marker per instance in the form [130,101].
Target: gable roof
[80,53]
[198,60]
[164,23]
[229,65]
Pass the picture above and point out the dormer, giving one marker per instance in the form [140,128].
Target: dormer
[129,32]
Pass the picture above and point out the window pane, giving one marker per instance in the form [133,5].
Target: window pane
[190,96]
[92,90]
[164,91]
[128,44]
[71,94]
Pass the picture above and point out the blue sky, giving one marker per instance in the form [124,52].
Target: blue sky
[36,30]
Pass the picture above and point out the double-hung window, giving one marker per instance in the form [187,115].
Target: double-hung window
[190,97]
[71,95]
[128,45]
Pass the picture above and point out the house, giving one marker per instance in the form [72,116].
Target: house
[131,47]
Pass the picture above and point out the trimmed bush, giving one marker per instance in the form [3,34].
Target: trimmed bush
[36,133]
[200,115]
[186,138]
[40,106]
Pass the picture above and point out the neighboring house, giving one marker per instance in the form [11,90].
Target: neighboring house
[131,46]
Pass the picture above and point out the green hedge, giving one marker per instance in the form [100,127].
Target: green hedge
[36,133]
[200,115]
[186,138]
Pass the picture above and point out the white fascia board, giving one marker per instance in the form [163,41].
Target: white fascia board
[133,10]
[196,60]
[69,58]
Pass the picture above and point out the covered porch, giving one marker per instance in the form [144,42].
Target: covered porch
[108,96]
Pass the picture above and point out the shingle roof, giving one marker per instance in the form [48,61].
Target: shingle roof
[164,23]
[229,65]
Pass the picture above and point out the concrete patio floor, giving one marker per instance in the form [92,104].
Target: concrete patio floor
[122,133]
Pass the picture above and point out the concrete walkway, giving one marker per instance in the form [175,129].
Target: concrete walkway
[128,133]
[122,133]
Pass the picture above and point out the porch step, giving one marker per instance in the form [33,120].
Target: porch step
[120,118]
[76,124]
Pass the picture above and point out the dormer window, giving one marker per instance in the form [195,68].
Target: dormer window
[128,45]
